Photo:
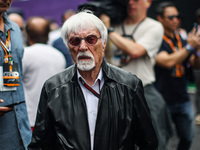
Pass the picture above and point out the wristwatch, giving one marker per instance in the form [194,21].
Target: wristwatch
[189,48]
[110,29]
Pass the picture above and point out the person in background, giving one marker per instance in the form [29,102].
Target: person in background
[196,73]
[92,104]
[15,131]
[68,13]
[134,45]
[40,62]
[19,20]
[59,44]
[55,34]
[171,65]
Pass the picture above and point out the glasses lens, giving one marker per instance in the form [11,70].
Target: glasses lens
[173,16]
[91,39]
[170,17]
[75,41]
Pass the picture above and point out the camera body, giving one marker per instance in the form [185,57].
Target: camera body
[116,10]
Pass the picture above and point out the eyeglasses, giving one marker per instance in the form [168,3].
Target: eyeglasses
[90,40]
[171,17]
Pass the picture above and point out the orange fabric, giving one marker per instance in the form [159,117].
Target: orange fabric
[7,45]
[6,84]
[179,67]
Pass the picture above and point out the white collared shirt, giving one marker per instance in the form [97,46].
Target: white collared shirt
[92,102]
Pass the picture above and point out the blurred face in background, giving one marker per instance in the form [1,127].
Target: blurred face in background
[17,19]
[67,15]
[137,8]
[4,5]
[170,19]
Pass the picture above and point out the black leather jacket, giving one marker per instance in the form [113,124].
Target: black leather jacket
[123,118]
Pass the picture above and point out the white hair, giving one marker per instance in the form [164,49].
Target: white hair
[82,21]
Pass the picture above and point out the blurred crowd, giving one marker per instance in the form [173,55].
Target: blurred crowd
[160,52]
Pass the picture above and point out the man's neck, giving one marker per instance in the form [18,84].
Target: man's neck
[134,20]
[169,33]
[89,76]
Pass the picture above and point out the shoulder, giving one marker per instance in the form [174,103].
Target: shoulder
[60,79]
[122,77]
[14,27]
[42,48]
[153,21]
[153,24]
[57,41]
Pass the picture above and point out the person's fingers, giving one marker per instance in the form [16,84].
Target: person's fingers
[1,101]
[5,109]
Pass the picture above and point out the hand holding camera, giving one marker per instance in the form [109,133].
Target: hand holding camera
[194,37]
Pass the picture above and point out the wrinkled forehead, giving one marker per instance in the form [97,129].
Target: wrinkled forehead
[82,27]
[82,32]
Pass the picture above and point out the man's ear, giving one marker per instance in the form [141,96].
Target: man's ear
[159,18]
[104,46]
[148,3]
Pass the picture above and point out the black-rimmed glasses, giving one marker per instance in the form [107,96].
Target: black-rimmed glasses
[90,40]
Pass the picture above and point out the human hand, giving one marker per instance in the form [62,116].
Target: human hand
[105,19]
[194,39]
[4,110]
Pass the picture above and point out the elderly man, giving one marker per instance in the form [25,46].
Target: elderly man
[92,105]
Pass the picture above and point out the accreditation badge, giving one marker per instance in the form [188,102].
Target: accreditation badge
[2,87]
[10,75]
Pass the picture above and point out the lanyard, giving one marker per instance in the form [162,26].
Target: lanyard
[134,30]
[169,41]
[8,55]
[179,69]
[125,59]
[89,88]
[5,46]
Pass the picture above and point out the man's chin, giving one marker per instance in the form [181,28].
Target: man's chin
[85,67]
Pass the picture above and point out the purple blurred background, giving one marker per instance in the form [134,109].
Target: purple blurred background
[50,9]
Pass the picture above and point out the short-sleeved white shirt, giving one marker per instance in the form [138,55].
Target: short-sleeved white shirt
[149,34]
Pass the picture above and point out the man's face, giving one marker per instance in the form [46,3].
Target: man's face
[137,7]
[4,5]
[170,19]
[86,56]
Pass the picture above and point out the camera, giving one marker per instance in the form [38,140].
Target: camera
[115,9]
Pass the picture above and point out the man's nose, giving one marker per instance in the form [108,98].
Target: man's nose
[83,45]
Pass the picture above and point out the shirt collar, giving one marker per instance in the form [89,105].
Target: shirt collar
[8,24]
[99,77]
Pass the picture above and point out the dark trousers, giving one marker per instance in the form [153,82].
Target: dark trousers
[182,116]
[160,116]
